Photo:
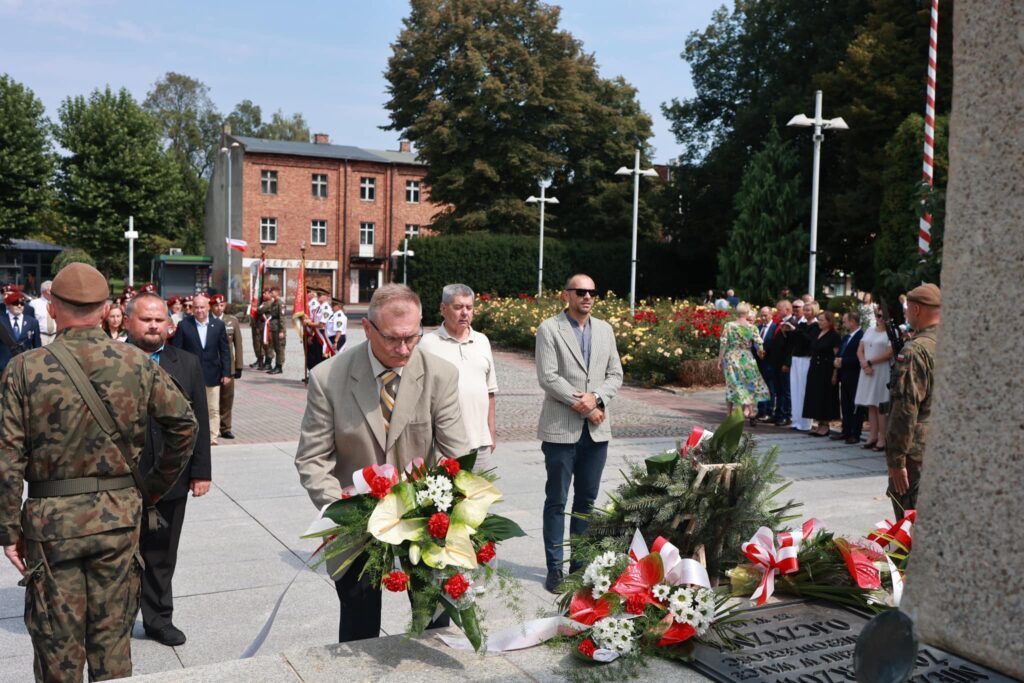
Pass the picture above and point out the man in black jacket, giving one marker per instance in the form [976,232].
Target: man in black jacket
[207,338]
[849,375]
[147,325]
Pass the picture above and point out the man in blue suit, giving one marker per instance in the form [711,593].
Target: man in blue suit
[849,374]
[207,338]
[21,331]
[766,327]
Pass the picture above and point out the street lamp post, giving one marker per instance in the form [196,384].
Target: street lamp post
[131,235]
[227,152]
[819,124]
[405,254]
[636,172]
[542,200]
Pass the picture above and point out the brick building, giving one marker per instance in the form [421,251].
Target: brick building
[351,206]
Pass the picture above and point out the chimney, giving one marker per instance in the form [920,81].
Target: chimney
[404,146]
[321,139]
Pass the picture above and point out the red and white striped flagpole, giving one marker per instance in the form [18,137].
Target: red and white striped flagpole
[924,234]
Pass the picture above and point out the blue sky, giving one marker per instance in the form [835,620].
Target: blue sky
[324,59]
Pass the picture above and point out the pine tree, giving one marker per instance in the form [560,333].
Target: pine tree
[767,243]
[26,160]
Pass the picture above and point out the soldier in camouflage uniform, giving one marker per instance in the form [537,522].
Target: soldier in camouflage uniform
[227,391]
[911,399]
[79,551]
[257,335]
[272,309]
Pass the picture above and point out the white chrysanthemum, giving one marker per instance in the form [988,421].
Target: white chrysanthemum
[601,586]
[614,634]
[662,592]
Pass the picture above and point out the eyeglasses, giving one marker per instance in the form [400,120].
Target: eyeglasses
[397,341]
[583,292]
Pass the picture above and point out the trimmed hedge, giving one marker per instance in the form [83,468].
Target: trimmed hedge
[506,265]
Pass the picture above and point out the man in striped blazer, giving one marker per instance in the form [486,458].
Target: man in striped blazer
[579,370]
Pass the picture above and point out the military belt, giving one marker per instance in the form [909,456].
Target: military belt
[74,487]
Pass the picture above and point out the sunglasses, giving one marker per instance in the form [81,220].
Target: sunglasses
[583,292]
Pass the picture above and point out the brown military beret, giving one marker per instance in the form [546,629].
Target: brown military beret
[216,299]
[80,284]
[926,295]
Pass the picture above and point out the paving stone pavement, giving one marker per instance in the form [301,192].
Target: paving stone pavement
[241,543]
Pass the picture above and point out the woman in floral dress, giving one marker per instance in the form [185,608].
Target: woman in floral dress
[744,385]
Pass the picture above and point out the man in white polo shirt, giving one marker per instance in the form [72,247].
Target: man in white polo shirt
[456,342]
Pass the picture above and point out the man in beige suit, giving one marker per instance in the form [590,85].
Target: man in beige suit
[579,370]
[383,401]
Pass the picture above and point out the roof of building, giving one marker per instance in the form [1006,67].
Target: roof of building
[325,151]
[34,245]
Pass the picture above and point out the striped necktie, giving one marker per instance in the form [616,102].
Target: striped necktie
[388,392]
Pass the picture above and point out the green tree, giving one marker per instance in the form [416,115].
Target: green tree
[115,168]
[188,119]
[767,242]
[896,259]
[495,97]
[26,160]
[246,119]
[282,127]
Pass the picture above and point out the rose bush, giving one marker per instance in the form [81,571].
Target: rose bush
[657,344]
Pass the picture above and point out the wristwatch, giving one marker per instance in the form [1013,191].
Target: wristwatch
[600,401]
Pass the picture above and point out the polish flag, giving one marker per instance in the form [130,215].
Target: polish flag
[237,245]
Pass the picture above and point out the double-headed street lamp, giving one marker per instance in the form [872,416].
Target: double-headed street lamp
[228,152]
[819,124]
[636,172]
[542,200]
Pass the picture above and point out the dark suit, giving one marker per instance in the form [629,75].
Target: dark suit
[215,357]
[849,375]
[27,337]
[777,349]
[766,408]
[160,548]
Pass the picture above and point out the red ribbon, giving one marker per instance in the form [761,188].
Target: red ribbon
[895,535]
[762,552]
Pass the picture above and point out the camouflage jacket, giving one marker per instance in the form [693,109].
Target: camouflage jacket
[234,329]
[47,433]
[911,399]
[271,310]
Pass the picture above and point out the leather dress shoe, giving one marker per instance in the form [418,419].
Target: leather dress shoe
[553,581]
[852,440]
[783,423]
[227,435]
[837,437]
[168,635]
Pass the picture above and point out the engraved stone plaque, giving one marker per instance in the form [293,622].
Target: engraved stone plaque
[813,642]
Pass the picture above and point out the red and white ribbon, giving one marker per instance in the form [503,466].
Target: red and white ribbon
[761,550]
[698,435]
[895,535]
[678,570]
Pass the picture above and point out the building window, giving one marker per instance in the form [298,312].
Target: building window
[320,185]
[412,230]
[318,232]
[412,191]
[366,234]
[367,189]
[268,182]
[268,230]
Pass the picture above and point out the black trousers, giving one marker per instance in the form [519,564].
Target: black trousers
[853,417]
[360,605]
[160,552]
[314,353]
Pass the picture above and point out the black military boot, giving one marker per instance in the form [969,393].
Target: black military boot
[277,370]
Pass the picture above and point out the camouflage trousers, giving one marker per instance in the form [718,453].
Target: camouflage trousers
[81,598]
[257,340]
[274,351]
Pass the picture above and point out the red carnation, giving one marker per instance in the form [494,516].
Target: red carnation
[587,648]
[438,525]
[456,586]
[486,553]
[380,486]
[635,604]
[396,582]
[451,466]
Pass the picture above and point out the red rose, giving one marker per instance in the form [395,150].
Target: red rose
[456,586]
[438,525]
[380,486]
[587,648]
[396,582]
[635,604]
[450,466]
[486,553]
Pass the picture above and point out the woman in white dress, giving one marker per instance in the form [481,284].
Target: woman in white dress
[874,354]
